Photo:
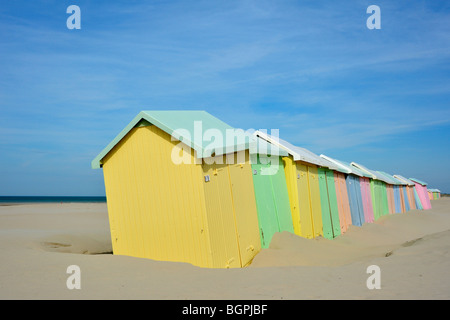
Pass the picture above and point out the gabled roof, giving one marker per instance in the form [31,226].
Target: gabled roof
[341,166]
[333,166]
[418,181]
[346,167]
[434,190]
[264,147]
[184,126]
[297,153]
[373,174]
[405,180]
[393,180]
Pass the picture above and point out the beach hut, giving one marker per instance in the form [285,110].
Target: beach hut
[434,194]
[331,194]
[438,193]
[391,194]
[399,206]
[410,188]
[421,188]
[342,197]
[174,195]
[271,194]
[417,199]
[378,189]
[390,198]
[308,186]
[345,217]
[404,193]
[357,191]
[367,199]
[402,190]
[399,195]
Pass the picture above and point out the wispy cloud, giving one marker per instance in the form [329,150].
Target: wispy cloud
[311,69]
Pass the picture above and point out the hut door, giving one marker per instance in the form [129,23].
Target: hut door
[221,221]
[241,185]
[306,223]
[354,198]
[314,194]
[327,220]
[334,208]
[265,202]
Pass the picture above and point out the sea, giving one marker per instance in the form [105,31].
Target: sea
[49,199]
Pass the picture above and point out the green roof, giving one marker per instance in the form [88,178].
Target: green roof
[190,126]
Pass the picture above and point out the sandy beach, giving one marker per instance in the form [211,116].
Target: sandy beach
[39,241]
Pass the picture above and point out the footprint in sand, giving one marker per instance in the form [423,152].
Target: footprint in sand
[56,245]
[405,244]
[410,243]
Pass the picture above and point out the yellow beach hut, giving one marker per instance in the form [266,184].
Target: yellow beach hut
[178,190]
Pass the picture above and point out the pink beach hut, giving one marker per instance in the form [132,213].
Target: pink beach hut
[367,199]
[421,188]
[381,199]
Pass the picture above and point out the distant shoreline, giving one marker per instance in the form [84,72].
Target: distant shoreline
[18,200]
[7,204]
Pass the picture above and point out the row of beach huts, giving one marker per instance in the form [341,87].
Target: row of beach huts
[434,194]
[177,192]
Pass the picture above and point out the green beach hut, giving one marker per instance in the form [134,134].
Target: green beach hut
[316,194]
[271,194]
[328,199]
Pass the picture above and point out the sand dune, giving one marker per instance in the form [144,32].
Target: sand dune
[39,241]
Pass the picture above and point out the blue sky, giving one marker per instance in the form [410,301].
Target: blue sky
[311,69]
